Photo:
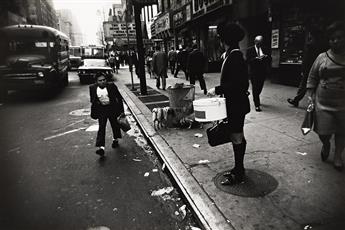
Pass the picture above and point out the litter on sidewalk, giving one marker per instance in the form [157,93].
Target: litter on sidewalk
[302,153]
[203,162]
[136,160]
[198,135]
[196,146]
[162,191]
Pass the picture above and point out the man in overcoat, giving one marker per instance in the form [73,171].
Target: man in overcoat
[259,63]
[160,66]
[106,104]
[195,67]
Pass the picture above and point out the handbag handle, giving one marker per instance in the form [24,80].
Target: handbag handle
[310,107]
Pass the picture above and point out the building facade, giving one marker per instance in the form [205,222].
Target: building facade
[42,12]
[119,25]
[68,24]
[38,12]
[283,24]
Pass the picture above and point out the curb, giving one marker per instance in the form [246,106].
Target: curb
[208,214]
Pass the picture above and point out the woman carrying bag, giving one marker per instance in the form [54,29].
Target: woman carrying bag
[326,89]
[234,85]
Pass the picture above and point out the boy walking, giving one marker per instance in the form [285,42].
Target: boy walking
[106,104]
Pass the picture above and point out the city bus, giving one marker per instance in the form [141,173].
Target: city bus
[92,51]
[32,57]
[75,56]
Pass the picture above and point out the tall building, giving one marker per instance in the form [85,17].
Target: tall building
[37,12]
[13,12]
[68,24]
[42,12]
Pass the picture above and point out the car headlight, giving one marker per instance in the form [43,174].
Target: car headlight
[40,74]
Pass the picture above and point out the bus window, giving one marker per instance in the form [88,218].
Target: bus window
[28,47]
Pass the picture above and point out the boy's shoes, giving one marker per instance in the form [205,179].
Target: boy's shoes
[258,109]
[292,102]
[100,152]
[115,144]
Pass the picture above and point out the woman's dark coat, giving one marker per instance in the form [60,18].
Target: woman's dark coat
[234,84]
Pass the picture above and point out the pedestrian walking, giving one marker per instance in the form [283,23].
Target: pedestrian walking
[106,104]
[195,64]
[160,67]
[234,85]
[172,56]
[326,89]
[117,62]
[111,61]
[313,47]
[182,57]
[148,61]
[259,67]
[134,61]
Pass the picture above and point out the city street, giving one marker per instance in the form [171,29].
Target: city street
[51,178]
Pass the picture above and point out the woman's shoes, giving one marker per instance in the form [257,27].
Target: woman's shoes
[325,151]
[233,177]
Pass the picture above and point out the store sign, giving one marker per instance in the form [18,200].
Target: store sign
[162,23]
[182,15]
[114,30]
[145,2]
[203,6]
[275,39]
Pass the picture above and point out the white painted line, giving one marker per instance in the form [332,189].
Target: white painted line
[62,134]
[92,128]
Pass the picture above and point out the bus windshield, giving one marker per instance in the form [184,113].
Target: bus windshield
[75,51]
[29,47]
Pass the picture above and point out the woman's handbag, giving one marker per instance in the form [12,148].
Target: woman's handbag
[219,134]
[308,122]
[123,122]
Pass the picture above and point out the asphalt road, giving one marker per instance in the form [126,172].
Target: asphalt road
[50,177]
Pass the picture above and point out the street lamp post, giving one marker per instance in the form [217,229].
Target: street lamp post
[129,59]
[140,46]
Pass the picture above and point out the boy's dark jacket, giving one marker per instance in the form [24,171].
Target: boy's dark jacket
[115,98]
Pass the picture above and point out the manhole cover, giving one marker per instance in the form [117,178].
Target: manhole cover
[80,112]
[256,184]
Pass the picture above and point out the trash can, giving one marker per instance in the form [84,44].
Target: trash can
[181,97]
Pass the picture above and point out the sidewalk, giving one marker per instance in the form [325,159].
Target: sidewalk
[288,185]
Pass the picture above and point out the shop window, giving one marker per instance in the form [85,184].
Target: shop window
[214,49]
[292,45]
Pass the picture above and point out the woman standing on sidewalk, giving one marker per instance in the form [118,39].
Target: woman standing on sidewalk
[234,85]
[326,88]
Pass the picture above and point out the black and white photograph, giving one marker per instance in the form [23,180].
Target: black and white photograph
[172,115]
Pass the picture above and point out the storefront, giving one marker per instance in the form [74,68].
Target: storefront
[163,31]
[180,20]
[206,15]
[291,23]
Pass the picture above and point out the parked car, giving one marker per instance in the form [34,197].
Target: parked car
[90,67]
